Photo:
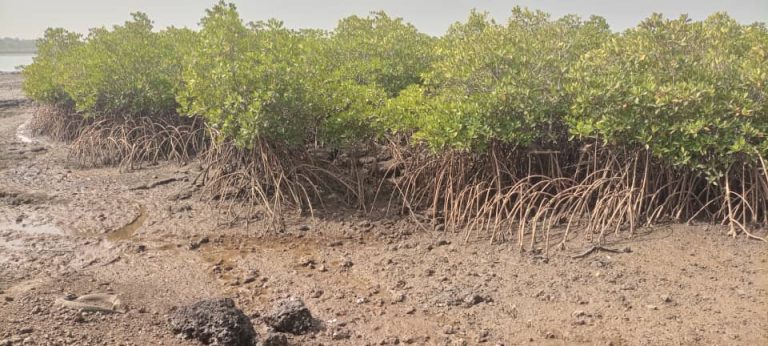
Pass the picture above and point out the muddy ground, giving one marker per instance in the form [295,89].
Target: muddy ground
[66,229]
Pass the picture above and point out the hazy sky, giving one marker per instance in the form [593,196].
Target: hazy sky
[29,18]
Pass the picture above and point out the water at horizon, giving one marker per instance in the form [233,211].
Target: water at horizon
[8,62]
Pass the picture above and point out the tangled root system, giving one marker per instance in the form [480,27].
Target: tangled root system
[124,142]
[129,142]
[541,196]
[275,178]
[506,194]
[59,123]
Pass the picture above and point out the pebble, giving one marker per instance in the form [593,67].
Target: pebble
[346,264]
[341,334]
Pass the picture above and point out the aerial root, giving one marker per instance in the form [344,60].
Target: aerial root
[540,197]
[276,179]
[59,123]
[129,143]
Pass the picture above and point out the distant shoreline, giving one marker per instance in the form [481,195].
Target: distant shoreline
[17,52]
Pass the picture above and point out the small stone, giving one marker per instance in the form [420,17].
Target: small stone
[336,243]
[483,336]
[290,316]
[346,264]
[448,329]
[390,340]
[652,307]
[474,299]
[195,244]
[275,339]
[666,298]
[307,262]
[26,330]
[341,334]
[304,228]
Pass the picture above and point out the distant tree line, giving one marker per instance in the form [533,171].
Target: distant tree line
[15,45]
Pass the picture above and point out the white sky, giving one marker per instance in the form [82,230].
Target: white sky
[29,18]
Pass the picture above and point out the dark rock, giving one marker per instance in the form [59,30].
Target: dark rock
[214,321]
[290,316]
[275,339]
